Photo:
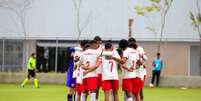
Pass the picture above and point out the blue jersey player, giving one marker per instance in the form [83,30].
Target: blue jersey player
[70,82]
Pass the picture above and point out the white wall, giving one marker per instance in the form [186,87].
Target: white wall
[107,18]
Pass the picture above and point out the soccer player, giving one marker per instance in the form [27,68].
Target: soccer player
[89,59]
[129,85]
[109,72]
[78,73]
[142,69]
[98,70]
[31,71]
[70,82]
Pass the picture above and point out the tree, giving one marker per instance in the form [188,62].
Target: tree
[80,27]
[19,8]
[159,7]
[196,23]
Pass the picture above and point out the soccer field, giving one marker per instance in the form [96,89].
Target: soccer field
[13,92]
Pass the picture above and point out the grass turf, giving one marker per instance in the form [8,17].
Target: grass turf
[13,92]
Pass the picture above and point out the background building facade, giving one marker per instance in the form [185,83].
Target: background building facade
[51,27]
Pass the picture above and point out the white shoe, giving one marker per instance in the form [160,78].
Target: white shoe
[151,85]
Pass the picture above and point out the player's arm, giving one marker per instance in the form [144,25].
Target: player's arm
[153,64]
[128,69]
[161,64]
[144,57]
[85,67]
[93,67]
[82,64]
[76,58]
[138,63]
[121,61]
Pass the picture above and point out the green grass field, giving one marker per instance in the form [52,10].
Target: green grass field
[13,92]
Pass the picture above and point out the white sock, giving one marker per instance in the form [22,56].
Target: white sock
[112,96]
[93,97]
[125,97]
[83,95]
[129,99]
[76,95]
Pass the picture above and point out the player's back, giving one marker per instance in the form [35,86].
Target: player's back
[109,67]
[89,58]
[132,56]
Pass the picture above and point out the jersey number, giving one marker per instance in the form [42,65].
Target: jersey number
[133,64]
[111,65]
[87,63]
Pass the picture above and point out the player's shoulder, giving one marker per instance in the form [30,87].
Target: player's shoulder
[101,48]
[77,48]
[130,50]
[89,52]
[140,48]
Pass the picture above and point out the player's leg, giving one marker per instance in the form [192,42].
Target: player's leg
[36,83]
[99,80]
[138,84]
[136,97]
[26,80]
[92,87]
[70,93]
[158,78]
[115,88]
[85,90]
[107,95]
[79,89]
[141,91]
[71,86]
[82,98]
[141,95]
[106,86]
[153,78]
[127,88]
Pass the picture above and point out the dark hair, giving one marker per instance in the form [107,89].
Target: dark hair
[120,52]
[131,40]
[93,41]
[132,45]
[86,46]
[32,54]
[123,44]
[97,38]
[158,53]
[83,42]
[108,45]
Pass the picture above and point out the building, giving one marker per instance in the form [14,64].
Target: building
[51,26]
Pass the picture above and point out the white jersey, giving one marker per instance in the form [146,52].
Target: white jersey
[78,73]
[109,67]
[99,51]
[89,58]
[77,54]
[141,72]
[132,58]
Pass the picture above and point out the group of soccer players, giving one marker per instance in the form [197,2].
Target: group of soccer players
[95,66]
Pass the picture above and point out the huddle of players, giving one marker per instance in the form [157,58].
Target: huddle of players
[97,66]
